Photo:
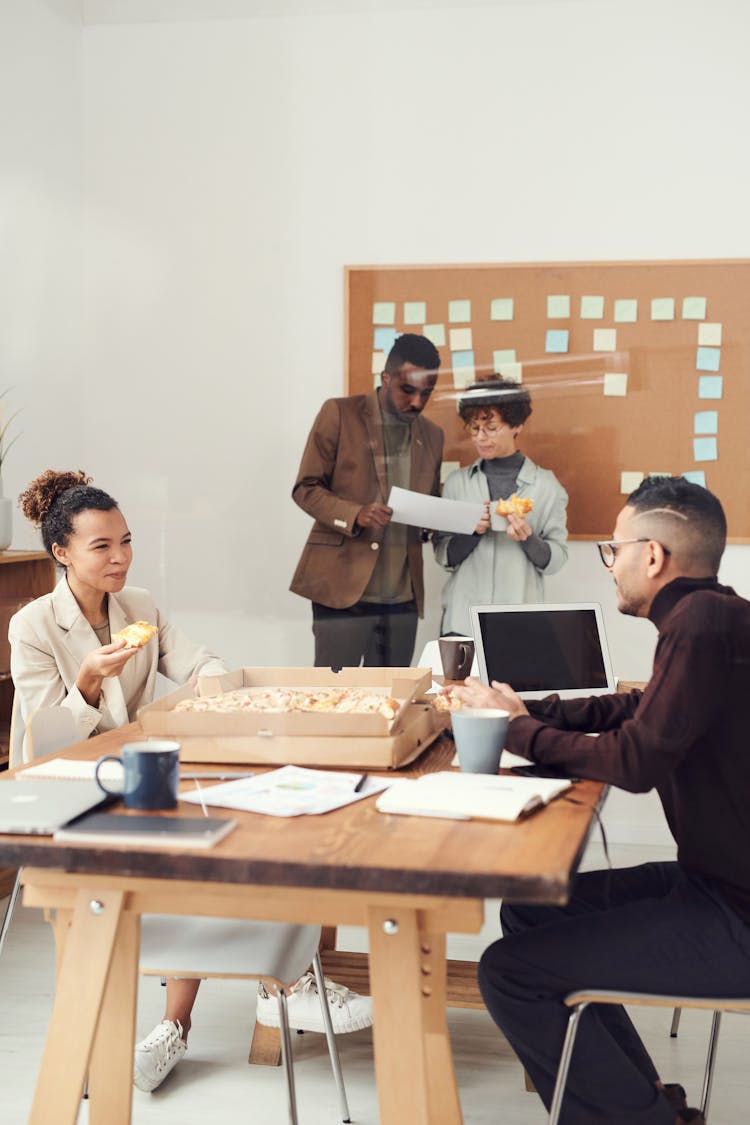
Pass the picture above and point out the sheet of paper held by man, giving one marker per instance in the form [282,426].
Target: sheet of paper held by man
[433,512]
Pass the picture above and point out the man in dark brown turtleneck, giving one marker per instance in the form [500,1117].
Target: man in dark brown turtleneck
[671,928]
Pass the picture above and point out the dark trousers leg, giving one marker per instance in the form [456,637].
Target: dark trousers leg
[364,633]
[643,929]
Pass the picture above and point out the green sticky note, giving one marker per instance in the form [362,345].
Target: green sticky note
[592,308]
[384,312]
[558,307]
[694,308]
[436,333]
[459,312]
[503,355]
[501,308]
[415,312]
[662,308]
[626,310]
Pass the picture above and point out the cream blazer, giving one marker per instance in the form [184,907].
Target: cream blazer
[50,637]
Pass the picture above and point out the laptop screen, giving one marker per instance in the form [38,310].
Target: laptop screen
[541,649]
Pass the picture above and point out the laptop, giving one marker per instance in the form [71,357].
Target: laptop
[39,808]
[544,648]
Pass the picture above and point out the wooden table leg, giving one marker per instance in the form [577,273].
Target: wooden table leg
[413,1058]
[84,966]
[111,1069]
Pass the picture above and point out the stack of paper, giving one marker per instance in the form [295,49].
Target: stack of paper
[466,796]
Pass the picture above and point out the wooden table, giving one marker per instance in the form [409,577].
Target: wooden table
[409,880]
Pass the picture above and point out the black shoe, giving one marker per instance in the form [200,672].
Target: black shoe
[675,1095]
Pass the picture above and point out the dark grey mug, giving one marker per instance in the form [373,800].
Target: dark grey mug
[151,774]
[456,656]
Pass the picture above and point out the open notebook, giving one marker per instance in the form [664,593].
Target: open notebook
[470,796]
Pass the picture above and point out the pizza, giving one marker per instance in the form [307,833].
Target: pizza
[519,505]
[357,701]
[447,700]
[136,635]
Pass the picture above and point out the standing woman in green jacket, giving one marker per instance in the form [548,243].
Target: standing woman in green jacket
[508,565]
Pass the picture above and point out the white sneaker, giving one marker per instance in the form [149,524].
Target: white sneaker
[349,1011]
[157,1054]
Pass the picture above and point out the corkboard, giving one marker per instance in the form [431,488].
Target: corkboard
[588,438]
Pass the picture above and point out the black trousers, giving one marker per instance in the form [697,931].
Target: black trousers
[650,929]
[378,636]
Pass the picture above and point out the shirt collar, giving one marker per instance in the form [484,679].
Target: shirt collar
[669,595]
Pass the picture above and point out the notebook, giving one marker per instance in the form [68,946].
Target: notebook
[39,808]
[470,796]
[544,648]
[147,830]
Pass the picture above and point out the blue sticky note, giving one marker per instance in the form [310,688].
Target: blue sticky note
[710,386]
[557,340]
[705,449]
[384,339]
[707,359]
[706,422]
[697,476]
[463,359]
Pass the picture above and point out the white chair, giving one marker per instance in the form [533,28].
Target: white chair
[274,952]
[579,1001]
[49,729]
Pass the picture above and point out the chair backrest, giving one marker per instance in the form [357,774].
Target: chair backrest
[49,729]
[430,658]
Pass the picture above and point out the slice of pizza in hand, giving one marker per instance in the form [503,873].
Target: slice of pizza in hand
[136,635]
[519,505]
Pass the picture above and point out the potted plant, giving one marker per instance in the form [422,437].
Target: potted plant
[6,506]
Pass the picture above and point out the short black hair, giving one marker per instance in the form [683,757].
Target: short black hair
[411,348]
[705,524]
[511,400]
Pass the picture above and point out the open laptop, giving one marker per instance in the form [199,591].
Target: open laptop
[544,648]
[39,808]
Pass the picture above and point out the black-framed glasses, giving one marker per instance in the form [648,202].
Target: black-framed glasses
[608,549]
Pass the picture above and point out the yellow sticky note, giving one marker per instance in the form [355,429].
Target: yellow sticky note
[605,339]
[662,308]
[592,308]
[615,383]
[629,481]
[709,335]
[460,339]
[384,312]
[378,362]
[626,310]
[501,308]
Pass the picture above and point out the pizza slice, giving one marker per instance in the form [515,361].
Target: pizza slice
[447,700]
[136,635]
[519,505]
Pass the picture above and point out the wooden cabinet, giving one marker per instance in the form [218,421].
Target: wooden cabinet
[24,575]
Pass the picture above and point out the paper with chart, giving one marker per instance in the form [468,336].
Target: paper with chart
[289,791]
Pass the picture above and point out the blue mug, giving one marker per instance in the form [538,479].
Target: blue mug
[151,774]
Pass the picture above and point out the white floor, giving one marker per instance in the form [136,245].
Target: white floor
[215,1085]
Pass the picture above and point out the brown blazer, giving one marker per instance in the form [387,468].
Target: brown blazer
[342,469]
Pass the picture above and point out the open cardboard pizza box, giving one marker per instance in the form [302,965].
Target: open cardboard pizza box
[301,738]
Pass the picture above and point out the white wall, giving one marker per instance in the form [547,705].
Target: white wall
[232,166]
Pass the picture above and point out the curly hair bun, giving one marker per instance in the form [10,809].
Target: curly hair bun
[41,494]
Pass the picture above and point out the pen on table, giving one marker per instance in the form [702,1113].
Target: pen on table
[200,794]
[360,784]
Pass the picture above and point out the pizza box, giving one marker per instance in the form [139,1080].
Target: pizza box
[301,738]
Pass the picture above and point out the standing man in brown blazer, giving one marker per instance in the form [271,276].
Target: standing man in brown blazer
[362,573]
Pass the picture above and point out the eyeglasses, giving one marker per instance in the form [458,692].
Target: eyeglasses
[488,431]
[608,549]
